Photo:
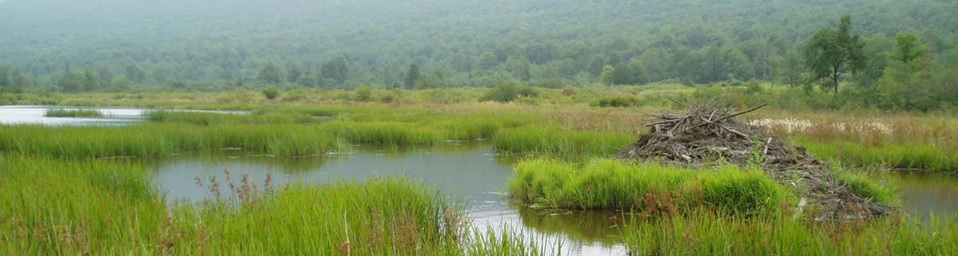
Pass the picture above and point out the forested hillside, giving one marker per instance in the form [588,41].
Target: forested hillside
[111,45]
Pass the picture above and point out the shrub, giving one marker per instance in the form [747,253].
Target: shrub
[509,91]
[271,92]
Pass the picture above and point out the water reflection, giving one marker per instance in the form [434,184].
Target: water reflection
[924,194]
[37,115]
[591,227]
[470,172]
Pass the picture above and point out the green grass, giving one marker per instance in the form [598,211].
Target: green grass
[907,156]
[61,112]
[165,139]
[650,188]
[53,207]
[707,234]
[552,141]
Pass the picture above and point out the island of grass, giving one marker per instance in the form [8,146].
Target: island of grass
[704,159]
[62,112]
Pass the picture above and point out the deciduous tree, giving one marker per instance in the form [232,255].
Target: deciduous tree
[832,53]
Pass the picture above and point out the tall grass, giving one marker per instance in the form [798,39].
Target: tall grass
[165,139]
[81,207]
[650,188]
[707,234]
[555,142]
[61,112]
[391,133]
[904,156]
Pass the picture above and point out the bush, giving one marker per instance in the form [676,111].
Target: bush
[617,102]
[271,92]
[509,91]
[363,93]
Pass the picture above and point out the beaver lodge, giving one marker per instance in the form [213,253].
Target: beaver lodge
[707,135]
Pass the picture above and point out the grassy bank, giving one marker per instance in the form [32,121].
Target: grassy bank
[61,112]
[54,207]
[925,157]
[612,184]
[551,141]
[706,234]
[165,139]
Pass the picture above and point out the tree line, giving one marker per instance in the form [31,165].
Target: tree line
[433,44]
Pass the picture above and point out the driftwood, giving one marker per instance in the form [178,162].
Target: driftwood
[708,135]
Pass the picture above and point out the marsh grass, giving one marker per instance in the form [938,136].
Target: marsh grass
[900,141]
[926,157]
[552,141]
[706,234]
[81,207]
[62,112]
[165,139]
[647,188]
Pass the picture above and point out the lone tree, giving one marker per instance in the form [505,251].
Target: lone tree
[832,53]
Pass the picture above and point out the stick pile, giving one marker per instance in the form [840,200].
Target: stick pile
[707,135]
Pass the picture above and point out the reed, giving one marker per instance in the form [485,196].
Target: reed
[62,112]
[927,157]
[391,133]
[165,139]
[706,234]
[555,142]
[649,188]
[86,206]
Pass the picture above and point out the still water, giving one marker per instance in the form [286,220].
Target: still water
[36,115]
[474,174]
[471,173]
[10,115]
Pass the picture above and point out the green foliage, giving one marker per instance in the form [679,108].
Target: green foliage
[363,93]
[867,188]
[612,184]
[412,76]
[910,47]
[61,112]
[707,234]
[894,155]
[617,102]
[552,141]
[831,53]
[108,207]
[271,92]
[271,74]
[509,91]
[607,76]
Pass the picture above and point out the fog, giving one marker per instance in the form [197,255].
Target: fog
[458,43]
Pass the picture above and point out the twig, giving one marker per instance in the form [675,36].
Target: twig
[742,113]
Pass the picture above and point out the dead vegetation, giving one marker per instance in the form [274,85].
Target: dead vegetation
[708,135]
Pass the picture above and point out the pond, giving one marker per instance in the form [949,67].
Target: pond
[925,194]
[471,173]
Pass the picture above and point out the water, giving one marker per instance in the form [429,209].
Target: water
[924,194]
[13,115]
[471,173]
[36,115]
[474,174]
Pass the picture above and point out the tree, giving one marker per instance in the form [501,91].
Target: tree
[832,53]
[271,74]
[909,47]
[336,69]
[608,73]
[412,76]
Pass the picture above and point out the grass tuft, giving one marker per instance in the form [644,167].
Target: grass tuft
[61,112]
